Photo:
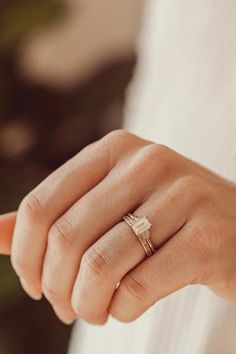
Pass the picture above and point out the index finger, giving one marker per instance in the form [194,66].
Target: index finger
[7,225]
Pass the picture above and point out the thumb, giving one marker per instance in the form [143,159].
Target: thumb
[7,225]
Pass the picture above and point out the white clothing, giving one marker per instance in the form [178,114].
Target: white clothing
[184,96]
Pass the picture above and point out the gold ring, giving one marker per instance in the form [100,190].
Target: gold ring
[141,226]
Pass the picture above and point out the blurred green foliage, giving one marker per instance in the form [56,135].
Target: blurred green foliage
[23,324]
[20,17]
[9,283]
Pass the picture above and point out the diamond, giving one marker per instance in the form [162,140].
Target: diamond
[141,225]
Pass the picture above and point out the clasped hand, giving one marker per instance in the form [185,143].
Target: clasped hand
[68,241]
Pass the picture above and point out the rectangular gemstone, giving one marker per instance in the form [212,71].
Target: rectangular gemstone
[141,226]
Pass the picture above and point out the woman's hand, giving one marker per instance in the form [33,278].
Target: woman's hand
[71,244]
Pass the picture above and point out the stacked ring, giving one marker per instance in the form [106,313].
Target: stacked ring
[141,226]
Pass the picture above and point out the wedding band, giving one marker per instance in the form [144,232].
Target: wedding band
[141,226]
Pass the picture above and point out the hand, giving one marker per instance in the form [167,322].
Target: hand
[71,244]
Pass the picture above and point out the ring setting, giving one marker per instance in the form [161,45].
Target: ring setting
[141,226]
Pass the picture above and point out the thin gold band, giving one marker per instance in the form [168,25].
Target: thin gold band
[141,226]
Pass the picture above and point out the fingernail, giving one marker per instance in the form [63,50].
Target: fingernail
[35,295]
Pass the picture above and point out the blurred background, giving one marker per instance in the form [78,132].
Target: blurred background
[64,71]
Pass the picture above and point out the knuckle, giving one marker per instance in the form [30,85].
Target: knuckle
[96,262]
[161,152]
[154,151]
[134,288]
[152,163]
[60,236]
[116,135]
[114,144]
[31,207]
[193,188]
[158,155]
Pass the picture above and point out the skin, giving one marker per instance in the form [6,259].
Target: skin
[70,243]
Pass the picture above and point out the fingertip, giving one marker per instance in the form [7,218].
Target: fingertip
[32,292]
[64,316]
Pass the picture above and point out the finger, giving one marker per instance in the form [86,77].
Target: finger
[116,253]
[46,203]
[175,265]
[63,316]
[78,229]
[7,224]
[74,232]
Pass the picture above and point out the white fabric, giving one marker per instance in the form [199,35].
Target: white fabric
[184,96]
